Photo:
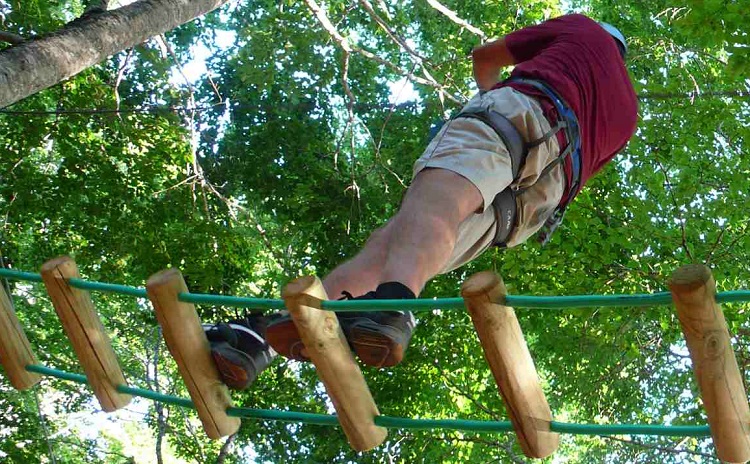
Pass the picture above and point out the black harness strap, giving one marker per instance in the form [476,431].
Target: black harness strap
[505,130]
[504,203]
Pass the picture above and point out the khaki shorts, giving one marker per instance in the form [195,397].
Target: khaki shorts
[472,149]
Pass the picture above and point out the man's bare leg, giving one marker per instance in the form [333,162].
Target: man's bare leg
[417,242]
[408,251]
[362,273]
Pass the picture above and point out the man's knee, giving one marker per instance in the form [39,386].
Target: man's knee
[379,237]
[444,190]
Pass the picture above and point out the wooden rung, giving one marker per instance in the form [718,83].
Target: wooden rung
[694,293]
[189,347]
[329,351]
[86,333]
[15,351]
[511,364]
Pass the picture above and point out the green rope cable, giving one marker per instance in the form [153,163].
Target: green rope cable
[138,292]
[399,422]
[516,301]
[20,275]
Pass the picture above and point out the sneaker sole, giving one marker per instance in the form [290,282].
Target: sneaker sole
[375,344]
[236,369]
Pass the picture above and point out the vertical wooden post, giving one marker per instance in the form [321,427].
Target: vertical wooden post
[511,363]
[86,333]
[15,351]
[329,351]
[189,347]
[694,293]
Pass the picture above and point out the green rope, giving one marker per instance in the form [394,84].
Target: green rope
[138,292]
[588,301]
[286,416]
[399,422]
[452,424]
[632,429]
[734,296]
[18,275]
[401,305]
[233,301]
[516,301]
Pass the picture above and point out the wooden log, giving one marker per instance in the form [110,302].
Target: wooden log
[510,362]
[15,350]
[86,333]
[189,347]
[694,293]
[329,351]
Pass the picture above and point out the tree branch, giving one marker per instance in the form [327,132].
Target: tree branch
[120,75]
[399,41]
[670,189]
[739,237]
[384,7]
[452,385]
[225,449]
[160,419]
[349,102]
[97,6]
[450,14]
[345,45]
[263,234]
[419,59]
[37,64]
[716,244]
[87,449]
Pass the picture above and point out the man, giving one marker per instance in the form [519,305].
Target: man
[505,168]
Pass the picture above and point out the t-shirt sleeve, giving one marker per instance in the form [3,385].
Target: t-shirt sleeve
[524,44]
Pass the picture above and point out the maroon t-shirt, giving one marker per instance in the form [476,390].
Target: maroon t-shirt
[581,61]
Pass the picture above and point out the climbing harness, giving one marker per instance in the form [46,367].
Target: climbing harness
[504,204]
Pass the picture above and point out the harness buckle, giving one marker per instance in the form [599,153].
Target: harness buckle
[550,225]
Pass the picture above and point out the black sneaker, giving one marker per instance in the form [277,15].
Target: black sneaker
[239,349]
[380,338]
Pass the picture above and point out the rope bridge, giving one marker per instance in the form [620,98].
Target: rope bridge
[692,290]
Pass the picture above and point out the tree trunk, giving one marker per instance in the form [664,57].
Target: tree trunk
[37,64]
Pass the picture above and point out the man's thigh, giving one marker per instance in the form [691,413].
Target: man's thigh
[443,191]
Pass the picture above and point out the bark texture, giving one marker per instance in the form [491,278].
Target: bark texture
[37,64]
